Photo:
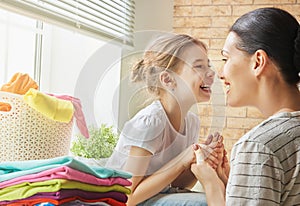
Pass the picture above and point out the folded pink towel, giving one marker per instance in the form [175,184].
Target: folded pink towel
[80,119]
[65,172]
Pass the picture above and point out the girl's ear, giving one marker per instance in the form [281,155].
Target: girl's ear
[167,80]
[260,58]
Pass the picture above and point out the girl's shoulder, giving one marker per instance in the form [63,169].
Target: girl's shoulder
[150,117]
[153,109]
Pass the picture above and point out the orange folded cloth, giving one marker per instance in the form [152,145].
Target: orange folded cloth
[4,107]
[19,84]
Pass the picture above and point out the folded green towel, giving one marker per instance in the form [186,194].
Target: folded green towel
[27,189]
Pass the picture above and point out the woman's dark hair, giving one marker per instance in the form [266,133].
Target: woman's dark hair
[277,33]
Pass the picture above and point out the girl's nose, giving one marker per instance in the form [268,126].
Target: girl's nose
[210,73]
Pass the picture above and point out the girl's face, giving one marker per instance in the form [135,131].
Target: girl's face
[195,76]
[237,74]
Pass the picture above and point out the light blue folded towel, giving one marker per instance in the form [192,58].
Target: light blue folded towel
[10,170]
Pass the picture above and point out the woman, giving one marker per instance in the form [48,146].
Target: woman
[262,65]
[156,144]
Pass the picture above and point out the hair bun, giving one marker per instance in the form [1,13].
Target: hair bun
[297,50]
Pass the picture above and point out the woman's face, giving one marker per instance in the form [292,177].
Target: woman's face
[237,73]
[195,76]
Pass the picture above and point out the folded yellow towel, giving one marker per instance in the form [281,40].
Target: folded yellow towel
[52,107]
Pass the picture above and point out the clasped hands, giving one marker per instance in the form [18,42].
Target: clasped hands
[211,160]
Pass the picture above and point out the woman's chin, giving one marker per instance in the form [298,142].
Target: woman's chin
[233,103]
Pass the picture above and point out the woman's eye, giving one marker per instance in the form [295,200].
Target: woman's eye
[224,60]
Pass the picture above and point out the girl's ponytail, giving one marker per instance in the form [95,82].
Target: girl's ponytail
[137,72]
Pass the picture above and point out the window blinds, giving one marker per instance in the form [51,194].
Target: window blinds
[110,19]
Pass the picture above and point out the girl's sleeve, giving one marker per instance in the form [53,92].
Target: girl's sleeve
[144,131]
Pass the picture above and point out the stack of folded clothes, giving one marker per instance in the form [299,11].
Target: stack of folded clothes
[61,181]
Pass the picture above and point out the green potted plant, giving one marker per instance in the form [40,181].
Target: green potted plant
[98,147]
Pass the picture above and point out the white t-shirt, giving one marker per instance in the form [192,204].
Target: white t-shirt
[151,130]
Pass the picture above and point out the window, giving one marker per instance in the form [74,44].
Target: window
[17,39]
[113,19]
[64,56]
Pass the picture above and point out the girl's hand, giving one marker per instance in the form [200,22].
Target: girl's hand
[212,150]
[209,155]
[187,157]
[201,169]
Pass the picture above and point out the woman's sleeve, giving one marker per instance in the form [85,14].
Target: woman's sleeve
[255,176]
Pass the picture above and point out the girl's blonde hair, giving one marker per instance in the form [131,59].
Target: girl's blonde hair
[161,55]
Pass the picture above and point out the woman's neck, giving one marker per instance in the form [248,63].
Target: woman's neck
[284,100]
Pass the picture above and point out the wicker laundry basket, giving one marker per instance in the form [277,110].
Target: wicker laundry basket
[26,134]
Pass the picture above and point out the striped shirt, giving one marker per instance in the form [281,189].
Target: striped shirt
[265,164]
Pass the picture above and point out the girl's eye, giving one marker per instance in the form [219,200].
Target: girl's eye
[198,66]
[224,60]
[202,67]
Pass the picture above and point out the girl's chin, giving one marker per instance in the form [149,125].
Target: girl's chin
[204,99]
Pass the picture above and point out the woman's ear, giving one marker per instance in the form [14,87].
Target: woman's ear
[260,58]
[167,80]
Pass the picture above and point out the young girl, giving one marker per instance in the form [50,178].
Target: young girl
[155,145]
[262,66]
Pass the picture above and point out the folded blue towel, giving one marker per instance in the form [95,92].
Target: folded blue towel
[10,170]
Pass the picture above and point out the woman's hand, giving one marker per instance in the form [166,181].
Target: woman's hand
[212,149]
[209,155]
[207,176]
[204,173]
[215,155]
[223,169]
